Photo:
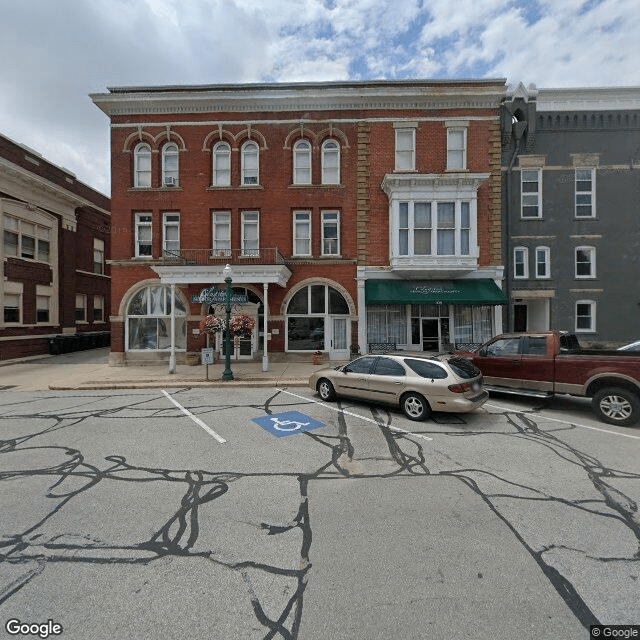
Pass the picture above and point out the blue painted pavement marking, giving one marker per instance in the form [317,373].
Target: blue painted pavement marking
[288,424]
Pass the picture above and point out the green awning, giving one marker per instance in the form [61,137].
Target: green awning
[466,292]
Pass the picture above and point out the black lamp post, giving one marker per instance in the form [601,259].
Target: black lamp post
[227,373]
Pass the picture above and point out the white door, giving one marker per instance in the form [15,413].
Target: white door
[338,340]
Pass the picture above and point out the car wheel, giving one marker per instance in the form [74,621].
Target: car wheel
[614,405]
[325,389]
[414,406]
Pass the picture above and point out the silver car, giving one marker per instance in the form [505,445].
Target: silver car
[418,384]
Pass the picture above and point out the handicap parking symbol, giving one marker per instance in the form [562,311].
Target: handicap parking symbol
[289,423]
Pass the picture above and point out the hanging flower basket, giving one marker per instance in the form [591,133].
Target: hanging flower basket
[242,325]
[211,324]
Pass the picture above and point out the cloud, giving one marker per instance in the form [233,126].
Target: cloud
[56,53]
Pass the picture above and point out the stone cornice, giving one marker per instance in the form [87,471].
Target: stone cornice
[589,99]
[431,95]
[393,183]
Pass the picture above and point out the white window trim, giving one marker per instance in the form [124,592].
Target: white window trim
[337,223]
[166,224]
[299,217]
[525,252]
[218,252]
[296,168]
[530,193]
[324,153]
[592,262]
[138,225]
[592,305]
[592,193]
[245,222]
[170,149]
[221,149]
[547,262]
[243,169]
[136,170]
[463,130]
[405,153]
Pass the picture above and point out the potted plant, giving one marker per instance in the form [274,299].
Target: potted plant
[318,357]
[211,324]
[242,325]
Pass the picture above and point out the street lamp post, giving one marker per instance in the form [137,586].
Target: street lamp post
[227,373]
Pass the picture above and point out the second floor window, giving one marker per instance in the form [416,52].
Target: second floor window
[585,200]
[250,163]
[585,262]
[543,262]
[143,236]
[171,233]
[222,234]
[170,169]
[330,162]
[330,233]
[302,162]
[302,233]
[98,256]
[26,240]
[521,262]
[221,165]
[142,166]
[531,185]
[250,233]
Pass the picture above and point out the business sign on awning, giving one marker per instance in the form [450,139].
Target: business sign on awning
[213,295]
[466,292]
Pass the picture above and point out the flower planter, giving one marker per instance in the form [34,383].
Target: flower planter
[318,358]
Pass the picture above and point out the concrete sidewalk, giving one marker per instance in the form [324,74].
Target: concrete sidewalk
[90,370]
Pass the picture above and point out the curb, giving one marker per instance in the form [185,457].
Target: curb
[163,384]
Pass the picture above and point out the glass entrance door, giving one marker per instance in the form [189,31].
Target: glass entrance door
[339,346]
[431,334]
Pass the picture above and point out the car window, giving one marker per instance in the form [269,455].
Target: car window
[503,347]
[426,369]
[536,347]
[389,367]
[361,365]
[463,368]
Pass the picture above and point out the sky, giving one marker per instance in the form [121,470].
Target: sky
[54,53]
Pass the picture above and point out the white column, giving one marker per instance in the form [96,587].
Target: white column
[172,357]
[362,317]
[265,341]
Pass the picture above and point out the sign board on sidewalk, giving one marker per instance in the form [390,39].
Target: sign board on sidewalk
[207,356]
[288,424]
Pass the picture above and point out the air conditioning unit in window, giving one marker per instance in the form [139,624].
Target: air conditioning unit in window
[170,181]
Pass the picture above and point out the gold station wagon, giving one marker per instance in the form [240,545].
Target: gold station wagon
[418,384]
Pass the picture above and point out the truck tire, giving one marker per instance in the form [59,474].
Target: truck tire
[615,405]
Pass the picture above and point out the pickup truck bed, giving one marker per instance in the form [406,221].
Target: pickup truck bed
[551,362]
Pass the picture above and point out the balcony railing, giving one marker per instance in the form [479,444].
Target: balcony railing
[203,257]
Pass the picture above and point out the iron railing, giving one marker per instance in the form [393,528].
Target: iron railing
[203,257]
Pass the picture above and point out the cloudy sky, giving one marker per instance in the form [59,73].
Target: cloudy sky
[56,52]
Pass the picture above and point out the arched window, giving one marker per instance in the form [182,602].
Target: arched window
[221,165]
[149,320]
[302,162]
[330,162]
[142,165]
[311,319]
[250,163]
[170,165]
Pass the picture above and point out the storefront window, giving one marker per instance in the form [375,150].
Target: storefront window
[149,320]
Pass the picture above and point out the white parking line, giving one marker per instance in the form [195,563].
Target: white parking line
[199,422]
[355,415]
[575,424]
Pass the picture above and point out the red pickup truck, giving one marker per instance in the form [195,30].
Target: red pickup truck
[543,364]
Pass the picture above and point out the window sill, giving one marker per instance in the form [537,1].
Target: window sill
[148,189]
[236,187]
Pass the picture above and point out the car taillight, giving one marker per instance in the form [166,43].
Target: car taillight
[460,388]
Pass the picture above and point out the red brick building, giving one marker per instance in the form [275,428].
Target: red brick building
[56,241]
[351,213]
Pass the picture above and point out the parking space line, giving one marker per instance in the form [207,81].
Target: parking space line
[199,422]
[575,424]
[355,415]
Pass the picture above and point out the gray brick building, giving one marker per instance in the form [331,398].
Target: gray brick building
[571,187]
